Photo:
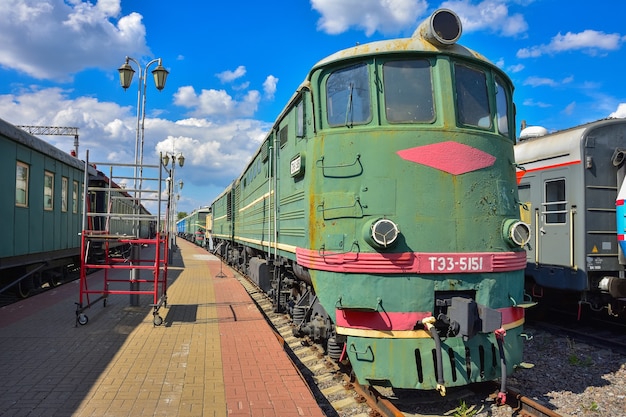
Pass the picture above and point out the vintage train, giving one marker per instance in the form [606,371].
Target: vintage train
[571,185]
[382,212]
[194,226]
[42,212]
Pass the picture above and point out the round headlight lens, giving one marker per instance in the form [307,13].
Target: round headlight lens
[516,232]
[381,233]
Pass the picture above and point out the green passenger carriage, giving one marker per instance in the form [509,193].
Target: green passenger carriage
[41,211]
[381,211]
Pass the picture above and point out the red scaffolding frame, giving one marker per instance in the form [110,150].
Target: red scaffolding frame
[139,250]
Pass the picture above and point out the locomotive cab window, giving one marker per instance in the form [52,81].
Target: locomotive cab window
[348,100]
[502,108]
[21,185]
[408,91]
[472,97]
[555,203]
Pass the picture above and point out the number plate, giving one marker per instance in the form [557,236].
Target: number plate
[455,263]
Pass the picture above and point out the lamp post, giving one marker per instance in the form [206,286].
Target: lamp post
[160,74]
[171,191]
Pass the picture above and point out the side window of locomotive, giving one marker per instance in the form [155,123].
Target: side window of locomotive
[348,100]
[21,184]
[48,191]
[555,203]
[300,120]
[502,108]
[408,91]
[472,98]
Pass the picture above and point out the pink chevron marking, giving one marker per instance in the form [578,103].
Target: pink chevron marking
[452,157]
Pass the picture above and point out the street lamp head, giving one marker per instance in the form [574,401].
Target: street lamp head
[126,74]
[181,160]
[180,184]
[166,160]
[160,76]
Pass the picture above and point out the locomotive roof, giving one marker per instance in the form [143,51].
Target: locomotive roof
[416,43]
[558,144]
[436,35]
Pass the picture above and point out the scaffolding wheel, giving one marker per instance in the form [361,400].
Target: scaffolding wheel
[158,320]
[82,319]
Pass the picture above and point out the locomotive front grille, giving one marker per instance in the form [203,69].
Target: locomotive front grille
[457,364]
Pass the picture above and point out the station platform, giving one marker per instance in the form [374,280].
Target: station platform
[214,354]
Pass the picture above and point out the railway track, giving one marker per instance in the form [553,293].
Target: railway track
[339,395]
[596,332]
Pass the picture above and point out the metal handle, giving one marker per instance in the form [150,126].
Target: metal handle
[321,250]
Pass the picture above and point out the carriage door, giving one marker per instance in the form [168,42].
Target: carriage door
[554,224]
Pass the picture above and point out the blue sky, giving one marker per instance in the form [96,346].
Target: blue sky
[233,66]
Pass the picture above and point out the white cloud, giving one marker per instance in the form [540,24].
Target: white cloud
[569,109]
[492,15]
[539,81]
[269,86]
[532,103]
[515,68]
[589,41]
[49,40]
[211,103]
[230,76]
[620,113]
[387,16]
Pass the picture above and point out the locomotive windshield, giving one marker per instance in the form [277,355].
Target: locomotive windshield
[408,91]
[348,96]
[472,97]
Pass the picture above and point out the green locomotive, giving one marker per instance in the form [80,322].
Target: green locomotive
[382,212]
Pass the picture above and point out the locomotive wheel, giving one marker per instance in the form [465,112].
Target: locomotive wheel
[24,287]
[56,277]
[334,349]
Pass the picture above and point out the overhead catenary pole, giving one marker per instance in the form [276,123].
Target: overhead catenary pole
[54,130]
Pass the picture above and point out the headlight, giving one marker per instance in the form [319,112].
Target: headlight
[381,233]
[516,233]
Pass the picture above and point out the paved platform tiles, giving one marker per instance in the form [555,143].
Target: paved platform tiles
[214,355]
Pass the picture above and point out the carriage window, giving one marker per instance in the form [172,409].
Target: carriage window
[75,197]
[472,98]
[554,207]
[21,185]
[348,96]
[64,183]
[48,191]
[408,91]
[502,108]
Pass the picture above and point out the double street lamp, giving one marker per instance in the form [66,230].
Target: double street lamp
[126,73]
[126,77]
[171,191]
